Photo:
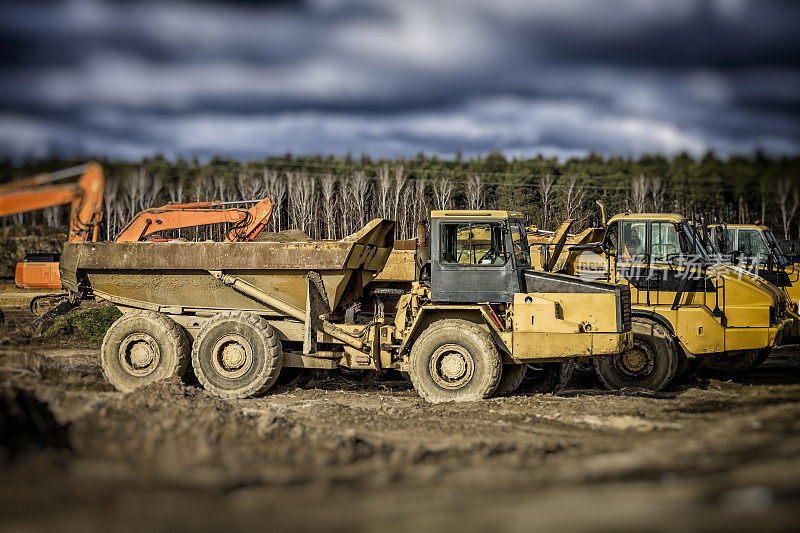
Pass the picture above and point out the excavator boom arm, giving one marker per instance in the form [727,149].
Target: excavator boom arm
[175,216]
[26,200]
[85,197]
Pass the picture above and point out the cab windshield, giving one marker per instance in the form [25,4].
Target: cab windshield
[519,238]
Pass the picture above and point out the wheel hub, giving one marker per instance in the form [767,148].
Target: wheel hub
[232,356]
[139,354]
[451,367]
[637,361]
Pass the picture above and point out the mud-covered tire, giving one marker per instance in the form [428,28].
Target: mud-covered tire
[455,360]
[651,364]
[547,378]
[142,347]
[733,362]
[510,380]
[237,355]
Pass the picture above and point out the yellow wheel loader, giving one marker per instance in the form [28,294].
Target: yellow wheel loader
[685,307]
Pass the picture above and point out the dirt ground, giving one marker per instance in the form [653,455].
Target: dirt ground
[341,455]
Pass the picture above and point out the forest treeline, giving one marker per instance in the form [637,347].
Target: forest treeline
[334,196]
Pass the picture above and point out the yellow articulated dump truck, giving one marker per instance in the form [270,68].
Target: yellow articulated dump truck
[684,306]
[463,329]
[754,248]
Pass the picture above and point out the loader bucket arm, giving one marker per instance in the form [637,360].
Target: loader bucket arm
[558,240]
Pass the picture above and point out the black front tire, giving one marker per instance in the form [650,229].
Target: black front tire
[650,365]
[455,360]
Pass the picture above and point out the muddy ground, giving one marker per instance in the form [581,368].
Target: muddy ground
[340,455]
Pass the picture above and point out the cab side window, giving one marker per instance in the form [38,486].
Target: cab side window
[751,244]
[469,243]
[665,241]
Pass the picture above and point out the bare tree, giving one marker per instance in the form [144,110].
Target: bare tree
[788,197]
[111,205]
[135,192]
[250,186]
[474,191]
[52,216]
[275,189]
[573,199]
[399,183]
[302,202]
[443,193]
[658,192]
[546,185]
[356,191]
[639,190]
[176,192]
[152,192]
[383,191]
[329,204]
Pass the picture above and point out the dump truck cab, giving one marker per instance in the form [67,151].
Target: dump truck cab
[478,256]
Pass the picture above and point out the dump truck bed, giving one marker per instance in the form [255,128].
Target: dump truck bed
[177,274]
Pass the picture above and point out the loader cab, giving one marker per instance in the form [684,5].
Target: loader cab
[652,250]
[477,256]
[755,248]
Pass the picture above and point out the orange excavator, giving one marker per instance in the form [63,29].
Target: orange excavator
[40,271]
[247,224]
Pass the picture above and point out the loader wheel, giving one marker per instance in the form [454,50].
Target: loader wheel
[547,378]
[510,380]
[455,360]
[142,347]
[651,364]
[236,355]
[732,362]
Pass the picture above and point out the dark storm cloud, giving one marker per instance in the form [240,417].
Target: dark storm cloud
[394,78]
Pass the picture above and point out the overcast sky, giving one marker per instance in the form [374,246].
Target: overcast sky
[129,79]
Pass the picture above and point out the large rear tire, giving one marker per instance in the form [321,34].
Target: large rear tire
[455,360]
[237,355]
[510,380]
[142,347]
[651,364]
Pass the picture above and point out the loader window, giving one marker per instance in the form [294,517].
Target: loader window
[666,241]
[470,243]
[632,244]
[723,239]
[751,244]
